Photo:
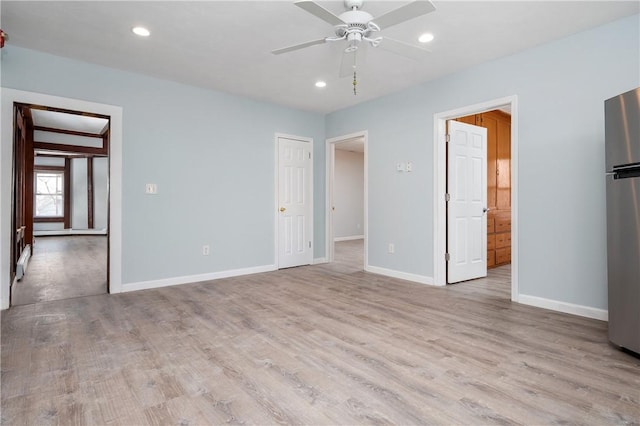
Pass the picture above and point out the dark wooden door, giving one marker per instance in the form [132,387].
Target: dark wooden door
[22,217]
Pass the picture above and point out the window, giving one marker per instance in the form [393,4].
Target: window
[49,194]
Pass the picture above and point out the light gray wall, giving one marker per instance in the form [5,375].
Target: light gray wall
[79,199]
[49,161]
[100,192]
[48,226]
[561,87]
[211,155]
[348,194]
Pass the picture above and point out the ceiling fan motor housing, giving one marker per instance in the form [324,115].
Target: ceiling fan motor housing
[356,17]
[356,23]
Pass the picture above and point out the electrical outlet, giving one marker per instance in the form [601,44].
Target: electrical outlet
[392,248]
[151,188]
[409,166]
[400,167]
[205,250]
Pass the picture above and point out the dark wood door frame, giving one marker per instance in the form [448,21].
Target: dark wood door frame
[22,200]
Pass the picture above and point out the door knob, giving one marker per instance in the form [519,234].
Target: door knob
[485,209]
[282,209]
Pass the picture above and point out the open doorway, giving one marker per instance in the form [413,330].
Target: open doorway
[346,201]
[60,204]
[502,261]
[498,125]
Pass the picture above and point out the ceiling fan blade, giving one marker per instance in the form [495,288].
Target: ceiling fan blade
[353,61]
[404,13]
[319,11]
[299,46]
[404,49]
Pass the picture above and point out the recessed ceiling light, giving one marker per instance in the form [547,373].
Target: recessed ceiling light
[425,38]
[141,31]
[321,83]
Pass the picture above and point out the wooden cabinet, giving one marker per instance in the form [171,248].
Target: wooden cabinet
[499,238]
[498,125]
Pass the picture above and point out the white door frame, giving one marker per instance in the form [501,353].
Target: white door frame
[8,97]
[276,203]
[331,159]
[440,188]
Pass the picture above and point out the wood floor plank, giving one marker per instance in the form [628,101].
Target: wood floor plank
[324,345]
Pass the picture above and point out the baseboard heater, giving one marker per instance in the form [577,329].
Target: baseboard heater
[21,267]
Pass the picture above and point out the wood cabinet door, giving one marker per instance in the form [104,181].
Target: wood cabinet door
[503,158]
[490,122]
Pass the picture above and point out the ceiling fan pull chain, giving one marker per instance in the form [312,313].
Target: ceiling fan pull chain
[355,82]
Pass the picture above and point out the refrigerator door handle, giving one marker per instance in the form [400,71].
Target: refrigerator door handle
[626,166]
[626,173]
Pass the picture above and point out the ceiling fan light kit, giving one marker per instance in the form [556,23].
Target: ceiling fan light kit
[356,26]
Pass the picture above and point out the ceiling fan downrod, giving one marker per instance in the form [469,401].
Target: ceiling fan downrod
[353,4]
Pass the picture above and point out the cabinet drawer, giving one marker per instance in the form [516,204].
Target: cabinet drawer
[503,255]
[491,241]
[491,258]
[491,225]
[503,224]
[503,240]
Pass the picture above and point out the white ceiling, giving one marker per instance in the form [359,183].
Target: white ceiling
[351,145]
[73,122]
[226,45]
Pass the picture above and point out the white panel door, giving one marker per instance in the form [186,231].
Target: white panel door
[466,209]
[295,191]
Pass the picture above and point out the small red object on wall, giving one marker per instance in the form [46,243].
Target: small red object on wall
[3,35]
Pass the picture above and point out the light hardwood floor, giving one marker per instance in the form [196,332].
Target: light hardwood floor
[63,267]
[325,344]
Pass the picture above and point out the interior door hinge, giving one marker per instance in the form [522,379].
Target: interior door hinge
[309,156]
[447,257]
[447,197]
[309,244]
[448,138]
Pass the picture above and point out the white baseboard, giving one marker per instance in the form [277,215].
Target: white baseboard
[319,260]
[567,308]
[70,232]
[352,237]
[189,279]
[400,275]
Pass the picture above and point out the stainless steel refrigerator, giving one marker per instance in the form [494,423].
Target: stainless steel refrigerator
[622,136]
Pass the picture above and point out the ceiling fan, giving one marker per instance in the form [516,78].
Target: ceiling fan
[356,26]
